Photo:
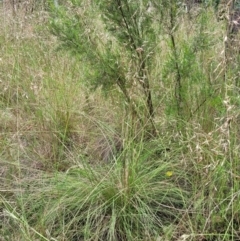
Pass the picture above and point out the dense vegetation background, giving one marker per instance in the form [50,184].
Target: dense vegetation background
[119,120]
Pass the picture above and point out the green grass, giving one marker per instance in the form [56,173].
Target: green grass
[75,165]
[121,202]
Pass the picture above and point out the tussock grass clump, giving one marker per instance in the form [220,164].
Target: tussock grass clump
[133,199]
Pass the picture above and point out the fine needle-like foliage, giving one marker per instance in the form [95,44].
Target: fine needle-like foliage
[122,57]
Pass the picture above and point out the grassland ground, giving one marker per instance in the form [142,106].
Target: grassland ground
[74,165]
